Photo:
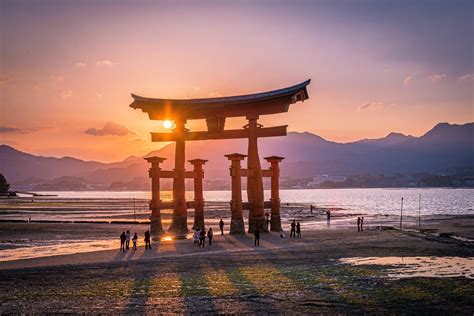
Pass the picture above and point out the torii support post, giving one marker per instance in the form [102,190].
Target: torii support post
[179,222]
[198,193]
[237,220]
[156,227]
[254,180]
[275,220]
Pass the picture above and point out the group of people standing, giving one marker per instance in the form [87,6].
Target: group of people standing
[199,237]
[125,238]
[295,229]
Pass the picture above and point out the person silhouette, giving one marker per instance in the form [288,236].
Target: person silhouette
[210,234]
[122,241]
[147,240]
[362,224]
[256,233]
[202,238]
[293,229]
[221,226]
[196,237]
[134,240]
[328,213]
[358,224]
[298,229]
[127,239]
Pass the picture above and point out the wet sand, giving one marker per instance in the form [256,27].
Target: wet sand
[286,276]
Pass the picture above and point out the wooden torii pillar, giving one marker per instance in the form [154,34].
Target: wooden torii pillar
[275,220]
[156,227]
[237,219]
[255,179]
[179,221]
[198,193]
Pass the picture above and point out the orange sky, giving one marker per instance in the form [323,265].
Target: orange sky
[71,66]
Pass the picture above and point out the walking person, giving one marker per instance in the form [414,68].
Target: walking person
[221,226]
[311,208]
[256,233]
[134,240]
[202,238]
[210,234]
[293,229]
[298,229]
[362,224]
[122,241]
[127,240]
[147,240]
[358,224]
[328,213]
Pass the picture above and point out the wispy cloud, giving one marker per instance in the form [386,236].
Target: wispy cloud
[12,130]
[407,80]
[104,62]
[110,128]
[437,77]
[196,88]
[214,94]
[65,94]
[371,106]
[467,77]
[80,64]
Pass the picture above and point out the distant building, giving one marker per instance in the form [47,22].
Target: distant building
[319,179]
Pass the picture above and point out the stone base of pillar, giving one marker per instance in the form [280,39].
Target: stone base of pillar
[237,226]
[198,221]
[179,227]
[255,222]
[156,228]
[275,223]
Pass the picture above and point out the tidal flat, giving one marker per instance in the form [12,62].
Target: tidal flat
[283,276]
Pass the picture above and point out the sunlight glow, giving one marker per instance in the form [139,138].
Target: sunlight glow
[167,124]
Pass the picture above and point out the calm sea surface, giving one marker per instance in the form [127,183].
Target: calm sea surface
[352,201]
[378,206]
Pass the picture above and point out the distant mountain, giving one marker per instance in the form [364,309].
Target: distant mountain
[389,140]
[445,147]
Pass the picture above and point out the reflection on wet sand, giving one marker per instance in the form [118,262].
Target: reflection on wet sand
[409,267]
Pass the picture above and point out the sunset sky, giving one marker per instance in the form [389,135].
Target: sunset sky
[67,68]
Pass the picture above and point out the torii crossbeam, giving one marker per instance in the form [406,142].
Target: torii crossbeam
[215,111]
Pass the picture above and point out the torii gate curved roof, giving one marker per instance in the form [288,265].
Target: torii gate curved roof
[271,102]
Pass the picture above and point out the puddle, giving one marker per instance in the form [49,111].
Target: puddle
[410,267]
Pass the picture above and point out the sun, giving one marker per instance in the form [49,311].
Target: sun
[167,124]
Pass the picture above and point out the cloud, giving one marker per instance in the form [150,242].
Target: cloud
[196,88]
[371,106]
[467,77]
[436,77]
[110,128]
[407,80]
[104,62]
[7,129]
[80,64]
[65,94]
[214,94]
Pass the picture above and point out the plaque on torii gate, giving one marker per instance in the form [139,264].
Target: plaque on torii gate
[215,111]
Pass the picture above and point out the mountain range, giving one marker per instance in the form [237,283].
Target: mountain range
[445,148]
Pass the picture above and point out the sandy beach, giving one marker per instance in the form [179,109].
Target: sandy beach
[283,275]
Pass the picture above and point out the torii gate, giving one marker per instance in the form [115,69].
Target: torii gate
[215,111]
